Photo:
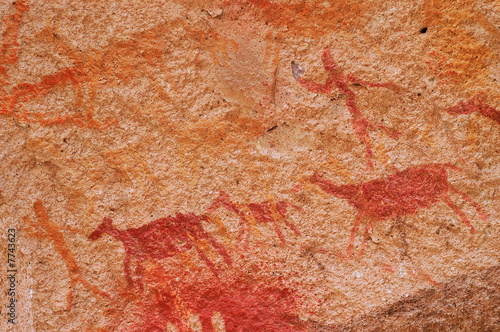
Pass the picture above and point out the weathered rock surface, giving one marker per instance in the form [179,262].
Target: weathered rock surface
[250,165]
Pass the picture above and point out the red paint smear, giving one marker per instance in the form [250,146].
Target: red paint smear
[244,304]
[403,193]
[387,267]
[264,212]
[335,78]
[299,187]
[162,238]
[173,294]
[477,105]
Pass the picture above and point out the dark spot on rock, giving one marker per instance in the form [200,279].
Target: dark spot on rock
[423,30]
[272,128]
[297,71]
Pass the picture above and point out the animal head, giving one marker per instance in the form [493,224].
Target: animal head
[347,191]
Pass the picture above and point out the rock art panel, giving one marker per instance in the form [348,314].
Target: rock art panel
[249,165]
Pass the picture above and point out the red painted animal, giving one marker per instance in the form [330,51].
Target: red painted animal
[478,105]
[162,238]
[264,212]
[403,193]
[342,82]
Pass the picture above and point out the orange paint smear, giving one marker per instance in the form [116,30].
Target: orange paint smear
[46,229]
[311,18]
[459,56]
[11,104]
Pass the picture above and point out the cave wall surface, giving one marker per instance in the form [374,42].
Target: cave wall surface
[258,165]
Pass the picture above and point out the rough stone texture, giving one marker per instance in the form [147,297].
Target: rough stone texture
[251,165]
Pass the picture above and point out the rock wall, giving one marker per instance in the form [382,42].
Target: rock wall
[255,165]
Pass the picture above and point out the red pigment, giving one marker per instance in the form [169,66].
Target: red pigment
[263,212]
[400,194]
[162,238]
[478,105]
[342,82]
[244,304]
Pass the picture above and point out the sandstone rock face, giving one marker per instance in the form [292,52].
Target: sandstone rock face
[257,165]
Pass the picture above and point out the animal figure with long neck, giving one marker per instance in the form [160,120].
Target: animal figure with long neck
[162,238]
[397,195]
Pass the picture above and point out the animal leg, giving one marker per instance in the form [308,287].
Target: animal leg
[292,227]
[277,215]
[446,198]
[139,273]
[368,230]
[357,222]
[278,231]
[220,249]
[206,260]
[482,214]
[126,268]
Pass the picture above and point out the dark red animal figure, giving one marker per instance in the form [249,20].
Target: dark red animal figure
[478,105]
[250,214]
[396,195]
[162,238]
[342,82]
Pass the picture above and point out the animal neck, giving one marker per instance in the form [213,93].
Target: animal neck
[340,191]
[117,234]
[489,112]
[107,227]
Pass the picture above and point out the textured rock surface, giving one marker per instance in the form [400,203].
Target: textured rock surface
[251,165]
